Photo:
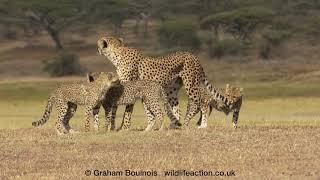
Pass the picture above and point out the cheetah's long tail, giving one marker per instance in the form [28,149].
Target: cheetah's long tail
[46,114]
[216,94]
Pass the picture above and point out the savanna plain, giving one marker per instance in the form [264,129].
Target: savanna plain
[278,135]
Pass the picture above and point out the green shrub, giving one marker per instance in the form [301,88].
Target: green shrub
[179,33]
[227,47]
[64,64]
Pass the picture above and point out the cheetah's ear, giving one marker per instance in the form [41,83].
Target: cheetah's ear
[102,43]
[121,40]
[91,77]
[241,90]
[227,87]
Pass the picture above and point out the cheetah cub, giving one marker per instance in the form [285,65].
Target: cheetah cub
[67,96]
[207,103]
[151,93]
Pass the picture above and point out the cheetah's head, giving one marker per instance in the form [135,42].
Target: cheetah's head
[106,80]
[234,95]
[107,44]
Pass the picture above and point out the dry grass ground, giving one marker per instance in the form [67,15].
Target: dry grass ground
[277,138]
[277,152]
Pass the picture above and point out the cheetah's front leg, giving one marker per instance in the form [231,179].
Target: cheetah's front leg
[113,117]
[95,113]
[126,121]
[153,111]
[110,114]
[203,121]
[89,117]
[235,117]
[151,119]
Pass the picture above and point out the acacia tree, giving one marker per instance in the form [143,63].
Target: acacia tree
[241,23]
[53,16]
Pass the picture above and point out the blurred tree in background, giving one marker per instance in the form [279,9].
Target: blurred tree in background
[113,11]
[53,16]
[179,33]
[147,10]
[241,23]
[224,26]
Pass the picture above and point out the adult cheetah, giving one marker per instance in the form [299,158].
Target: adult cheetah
[171,71]
[67,96]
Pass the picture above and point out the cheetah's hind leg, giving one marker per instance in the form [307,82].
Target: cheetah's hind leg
[96,123]
[72,108]
[126,121]
[60,123]
[192,110]
[173,104]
